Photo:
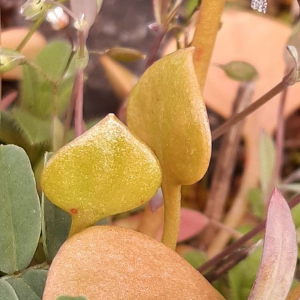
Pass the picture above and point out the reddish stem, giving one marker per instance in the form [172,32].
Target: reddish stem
[245,238]
[8,100]
[79,105]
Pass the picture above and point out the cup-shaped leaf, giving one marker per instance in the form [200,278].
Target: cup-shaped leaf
[103,172]
[166,110]
[111,262]
[279,258]
[20,216]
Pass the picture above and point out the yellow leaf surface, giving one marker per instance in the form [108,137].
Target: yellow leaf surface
[166,110]
[103,172]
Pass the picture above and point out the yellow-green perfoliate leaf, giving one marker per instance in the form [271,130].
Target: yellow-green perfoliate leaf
[103,172]
[20,215]
[166,110]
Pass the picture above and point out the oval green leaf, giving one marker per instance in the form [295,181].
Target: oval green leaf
[240,71]
[125,54]
[6,291]
[20,215]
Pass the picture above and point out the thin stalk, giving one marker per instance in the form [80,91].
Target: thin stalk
[280,135]
[34,28]
[172,203]
[79,106]
[30,33]
[155,46]
[207,28]
[250,109]
[240,242]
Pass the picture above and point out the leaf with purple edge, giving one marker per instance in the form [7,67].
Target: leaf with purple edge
[277,266]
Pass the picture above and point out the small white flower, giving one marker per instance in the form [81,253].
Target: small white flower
[32,9]
[259,5]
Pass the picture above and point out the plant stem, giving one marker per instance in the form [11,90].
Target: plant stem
[207,27]
[79,105]
[154,49]
[8,100]
[30,33]
[172,203]
[244,239]
[250,109]
[33,29]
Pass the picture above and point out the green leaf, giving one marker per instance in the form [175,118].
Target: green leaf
[242,276]
[266,161]
[30,286]
[256,199]
[36,279]
[38,93]
[56,225]
[71,298]
[58,133]
[125,54]
[54,59]
[20,224]
[36,130]
[296,215]
[6,291]
[240,71]
[11,133]
[195,258]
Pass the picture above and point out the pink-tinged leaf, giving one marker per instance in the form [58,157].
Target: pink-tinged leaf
[192,223]
[157,201]
[278,263]
[87,9]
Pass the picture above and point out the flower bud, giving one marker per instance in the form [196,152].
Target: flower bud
[10,59]
[32,9]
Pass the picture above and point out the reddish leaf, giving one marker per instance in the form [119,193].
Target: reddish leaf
[278,263]
[191,223]
[157,201]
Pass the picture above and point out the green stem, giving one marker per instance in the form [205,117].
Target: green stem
[30,33]
[33,29]
[172,203]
